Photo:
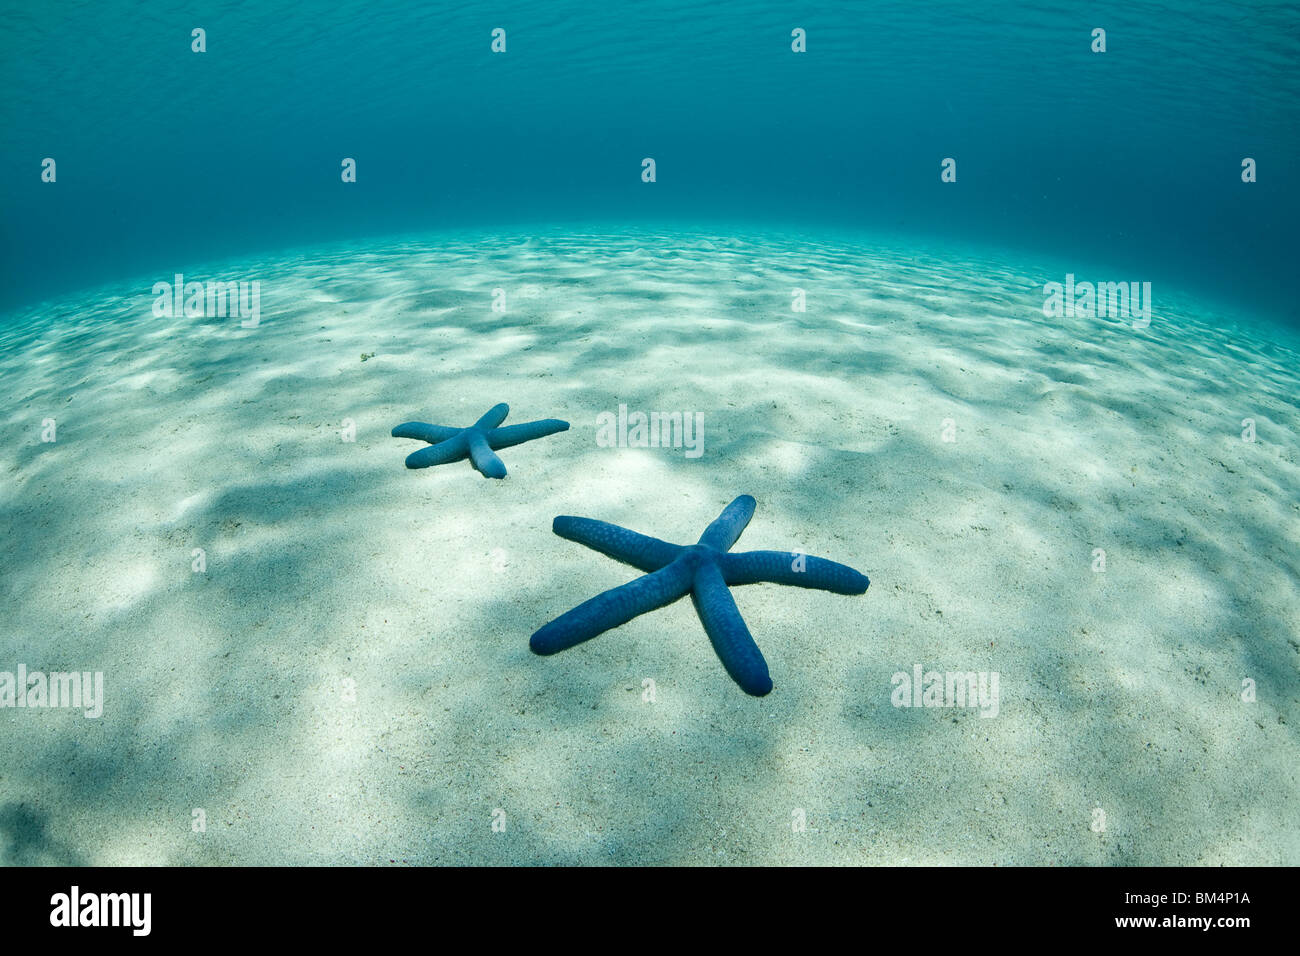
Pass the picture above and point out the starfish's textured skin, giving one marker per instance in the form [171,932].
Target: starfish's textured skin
[475,442]
[705,571]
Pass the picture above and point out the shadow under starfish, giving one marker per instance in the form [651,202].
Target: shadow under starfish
[704,570]
[475,442]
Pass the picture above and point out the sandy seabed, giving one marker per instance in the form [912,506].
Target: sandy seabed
[349,680]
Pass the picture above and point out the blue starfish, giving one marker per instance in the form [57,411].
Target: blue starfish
[703,570]
[476,442]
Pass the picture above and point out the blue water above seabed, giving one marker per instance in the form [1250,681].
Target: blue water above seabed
[1129,160]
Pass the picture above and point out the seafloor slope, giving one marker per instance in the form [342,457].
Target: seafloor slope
[331,568]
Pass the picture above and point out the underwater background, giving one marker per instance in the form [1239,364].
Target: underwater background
[1130,158]
[297,650]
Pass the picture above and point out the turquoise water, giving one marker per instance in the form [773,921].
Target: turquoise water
[327,654]
[1131,158]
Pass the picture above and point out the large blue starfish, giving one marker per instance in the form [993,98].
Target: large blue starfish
[703,570]
[475,442]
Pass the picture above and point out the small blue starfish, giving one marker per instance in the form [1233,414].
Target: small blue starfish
[703,570]
[476,442]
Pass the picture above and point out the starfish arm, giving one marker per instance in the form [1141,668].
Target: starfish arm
[782,567]
[631,547]
[727,631]
[726,528]
[453,449]
[484,459]
[425,432]
[493,417]
[612,608]
[525,431]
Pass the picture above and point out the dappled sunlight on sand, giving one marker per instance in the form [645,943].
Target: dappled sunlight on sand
[348,678]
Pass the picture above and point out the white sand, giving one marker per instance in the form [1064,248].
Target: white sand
[329,561]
